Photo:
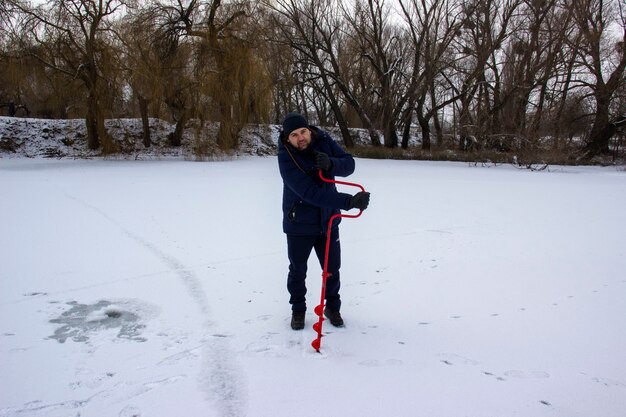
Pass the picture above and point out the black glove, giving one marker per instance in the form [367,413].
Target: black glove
[322,161]
[360,200]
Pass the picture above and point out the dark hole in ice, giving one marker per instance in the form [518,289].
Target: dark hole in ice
[113,314]
[81,321]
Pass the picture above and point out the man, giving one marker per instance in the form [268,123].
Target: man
[308,204]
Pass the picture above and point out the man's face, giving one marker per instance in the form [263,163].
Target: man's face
[300,138]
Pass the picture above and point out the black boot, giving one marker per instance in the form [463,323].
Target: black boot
[297,320]
[334,317]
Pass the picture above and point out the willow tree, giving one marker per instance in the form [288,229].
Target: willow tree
[232,75]
[73,37]
[144,65]
[225,67]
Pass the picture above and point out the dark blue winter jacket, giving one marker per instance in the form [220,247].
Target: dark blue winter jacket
[309,202]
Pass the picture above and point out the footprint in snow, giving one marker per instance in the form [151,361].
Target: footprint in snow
[88,378]
[151,385]
[499,378]
[187,355]
[454,359]
[166,381]
[608,382]
[267,349]
[527,374]
[130,411]
[34,294]
[373,363]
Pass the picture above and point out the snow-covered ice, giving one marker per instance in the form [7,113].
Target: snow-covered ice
[158,288]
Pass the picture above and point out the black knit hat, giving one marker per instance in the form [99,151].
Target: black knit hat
[293,121]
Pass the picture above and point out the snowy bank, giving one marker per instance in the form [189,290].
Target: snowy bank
[23,137]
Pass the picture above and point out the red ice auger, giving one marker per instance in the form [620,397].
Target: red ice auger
[319,310]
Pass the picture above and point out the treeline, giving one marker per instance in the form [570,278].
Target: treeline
[467,73]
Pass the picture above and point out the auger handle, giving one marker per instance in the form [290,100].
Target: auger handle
[319,309]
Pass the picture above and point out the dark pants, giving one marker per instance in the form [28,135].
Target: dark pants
[298,250]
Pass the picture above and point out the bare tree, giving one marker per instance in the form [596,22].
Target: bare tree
[433,26]
[311,29]
[483,33]
[604,59]
[281,69]
[562,110]
[531,61]
[381,46]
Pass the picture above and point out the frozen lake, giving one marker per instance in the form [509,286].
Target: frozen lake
[158,288]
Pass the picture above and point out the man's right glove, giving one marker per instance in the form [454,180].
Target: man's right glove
[322,161]
[360,200]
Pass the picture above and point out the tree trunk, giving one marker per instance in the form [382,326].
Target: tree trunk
[93,140]
[345,133]
[228,134]
[367,123]
[389,128]
[438,131]
[434,112]
[391,136]
[406,130]
[97,136]
[106,141]
[229,112]
[334,104]
[422,120]
[425,126]
[560,124]
[538,116]
[601,130]
[519,119]
[176,137]
[143,110]
[466,139]
[341,121]
[363,117]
